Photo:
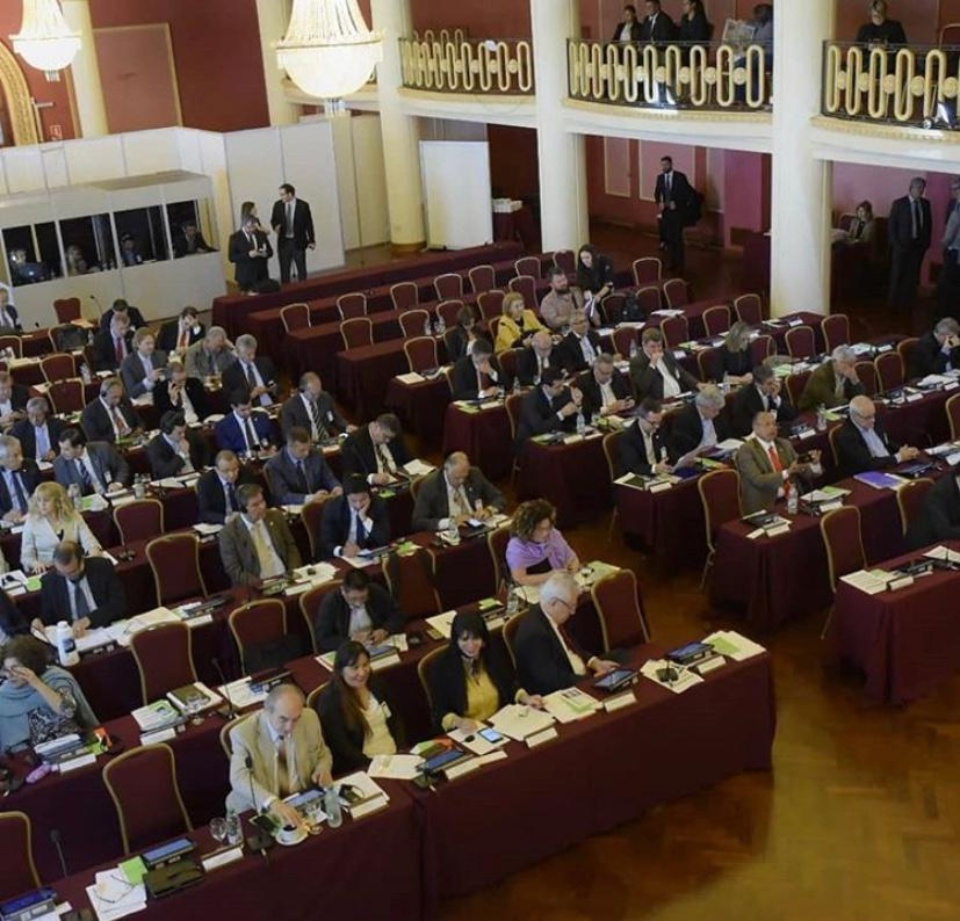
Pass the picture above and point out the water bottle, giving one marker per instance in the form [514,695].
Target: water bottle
[793,498]
[234,833]
[85,373]
[441,326]
[427,331]
[581,423]
[139,487]
[513,602]
[633,349]
[66,645]
[74,493]
[331,806]
[821,418]
[453,532]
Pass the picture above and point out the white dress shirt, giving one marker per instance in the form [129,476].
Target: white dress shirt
[576,663]
[270,562]
[671,386]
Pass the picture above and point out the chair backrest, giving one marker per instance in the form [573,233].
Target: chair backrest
[867,372]
[622,622]
[421,352]
[801,342]
[890,373]
[225,742]
[295,316]
[310,602]
[310,515]
[836,330]
[950,34]
[761,349]
[67,396]
[67,309]
[67,337]
[906,349]
[56,367]
[356,332]
[497,541]
[18,872]
[352,305]
[141,519]
[425,669]
[610,449]
[404,294]
[514,405]
[491,304]
[143,786]
[720,497]
[313,698]
[528,265]
[414,322]
[256,624]
[175,562]
[482,278]
[646,270]
[845,221]
[508,363]
[795,384]
[164,658]
[448,285]
[448,311]
[910,498]
[675,330]
[410,579]
[623,337]
[716,320]
[12,342]
[566,260]
[676,293]
[510,635]
[611,308]
[527,286]
[710,364]
[649,298]
[843,541]
[493,326]
[832,441]
[749,309]
[953,416]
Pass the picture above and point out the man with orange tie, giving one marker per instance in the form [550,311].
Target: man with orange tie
[766,464]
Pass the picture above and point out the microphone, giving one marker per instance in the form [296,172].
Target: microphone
[57,841]
[232,710]
[256,841]
[96,300]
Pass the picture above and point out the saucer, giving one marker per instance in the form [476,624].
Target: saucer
[291,839]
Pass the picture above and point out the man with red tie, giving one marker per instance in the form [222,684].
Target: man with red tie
[113,344]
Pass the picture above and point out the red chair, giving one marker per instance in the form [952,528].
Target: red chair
[256,624]
[508,363]
[67,309]
[843,541]
[611,308]
[720,498]
[906,349]
[622,620]
[356,332]
[11,342]
[404,294]
[716,320]
[449,311]
[676,293]
[421,352]
[528,265]
[141,519]
[18,872]
[493,327]
[910,499]
[566,260]
[411,582]
[610,451]
[801,342]
[675,330]
[352,305]
[164,659]
[649,299]
[497,541]
[310,603]
[795,384]
[646,270]
[890,374]
[490,304]
[623,337]
[57,367]
[953,416]
[295,316]
[425,669]
[761,349]
[311,515]
[482,278]
[143,786]
[710,364]
[175,562]
[510,636]
[414,322]
[836,330]
[448,286]
[749,309]
[867,372]
[527,286]
[67,396]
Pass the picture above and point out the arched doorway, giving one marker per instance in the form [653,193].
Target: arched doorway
[16,111]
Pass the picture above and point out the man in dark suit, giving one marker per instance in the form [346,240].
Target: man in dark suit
[699,427]
[657,26]
[361,610]
[111,416]
[536,358]
[654,371]
[763,395]
[134,317]
[9,318]
[88,589]
[550,407]
[293,224]
[190,241]
[179,393]
[376,450]
[39,433]
[354,521]
[18,479]
[478,375]
[548,659]
[938,351]
[178,335]
[257,544]
[175,450]
[939,516]
[605,390]
[862,444]
[257,373]
[909,230]
[242,430]
[113,344]
[145,367]
[250,251]
[298,474]
[948,282]
[456,492]
[313,409]
[642,449]
[217,489]
[580,347]
[672,195]
[96,466]
[13,401]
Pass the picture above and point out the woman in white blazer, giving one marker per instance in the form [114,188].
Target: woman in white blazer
[51,518]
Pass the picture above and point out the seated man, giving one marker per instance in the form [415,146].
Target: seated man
[145,368]
[9,316]
[361,610]
[834,383]
[18,479]
[190,241]
[175,450]
[243,431]
[217,489]
[257,373]
[353,521]
[763,395]
[298,474]
[376,450]
[276,752]
[113,344]
[767,464]
[938,351]
[605,390]
[656,373]
[313,409]
[559,303]
[534,359]
[477,374]
[458,492]
[257,544]
[86,588]
[39,433]
[580,347]
[211,356]
[120,307]
[180,393]
[862,444]
[547,658]
[13,401]
[96,466]
[699,427]
[111,416]
[178,335]
[939,516]
[642,449]
[550,407]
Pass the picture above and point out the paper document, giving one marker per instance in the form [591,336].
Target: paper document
[733,645]
[943,553]
[241,694]
[684,678]
[571,704]
[518,722]
[417,467]
[871,581]
[113,896]
[442,623]
[394,767]
[411,378]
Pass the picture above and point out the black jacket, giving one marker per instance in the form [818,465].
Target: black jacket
[170,334]
[748,402]
[346,742]
[165,462]
[302,223]
[466,382]
[250,270]
[359,456]
[593,398]
[333,619]
[900,225]
[29,480]
[448,682]
[528,370]
[542,665]
[104,352]
[632,455]
[24,432]
[853,455]
[433,504]
[456,341]
[211,500]
[539,415]
[571,353]
[234,376]
[939,517]
[661,29]
[929,358]
[687,431]
[196,394]
[335,525]
[294,414]
[136,319]
[648,381]
[105,585]
[96,423]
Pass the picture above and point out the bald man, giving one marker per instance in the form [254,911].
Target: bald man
[862,444]
[456,491]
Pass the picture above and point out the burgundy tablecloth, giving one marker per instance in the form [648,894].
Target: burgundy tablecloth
[694,313]
[363,375]
[483,435]
[421,407]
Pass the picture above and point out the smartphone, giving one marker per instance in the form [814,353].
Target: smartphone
[491,735]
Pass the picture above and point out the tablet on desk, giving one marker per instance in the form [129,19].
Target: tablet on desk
[616,680]
[444,760]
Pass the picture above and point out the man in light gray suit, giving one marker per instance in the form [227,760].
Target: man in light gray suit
[144,368]
[96,466]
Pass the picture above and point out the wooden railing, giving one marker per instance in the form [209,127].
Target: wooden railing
[453,63]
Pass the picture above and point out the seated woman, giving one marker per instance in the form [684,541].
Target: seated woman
[51,518]
[693,25]
[594,273]
[38,701]
[357,723]
[735,354]
[517,325]
[536,547]
[472,680]
[863,227]
[461,338]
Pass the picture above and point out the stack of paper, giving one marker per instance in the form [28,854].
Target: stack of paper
[442,623]
[161,615]
[371,795]
[943,553]
[872,582]
[594,572]
[733,645]
[684,680]
[241,694]
[411,378]
[156,716]
[417,467]
[394,767]
[570,705]
[113,896]
[93,639]
[519,722]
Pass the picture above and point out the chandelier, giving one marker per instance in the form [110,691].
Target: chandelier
[45,40]
[328,50]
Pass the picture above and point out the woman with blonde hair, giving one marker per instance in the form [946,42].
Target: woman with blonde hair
[536,548]
[517,325]
[51,519]
[737,361]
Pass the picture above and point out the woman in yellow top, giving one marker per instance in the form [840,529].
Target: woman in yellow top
[517,324]
[472,680]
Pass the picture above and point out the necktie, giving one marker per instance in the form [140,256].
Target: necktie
[251,436]
[184,341]
[318,425]
[361,531]
[230,497]
[283,771]
[289,218]
[384,461]
[669,184]
[251,376]
[119,347]
[86,487]
[18,491]
[651,449]
[250,242]
[302,476]
[119,422]
[41,438]
[775,459]
[460,502]
[81,607]
[262,544]
[915,209]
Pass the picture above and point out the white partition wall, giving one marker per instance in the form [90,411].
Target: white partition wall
[456,189]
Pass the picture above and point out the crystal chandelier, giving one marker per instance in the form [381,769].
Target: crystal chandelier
[45,40]
[328,50]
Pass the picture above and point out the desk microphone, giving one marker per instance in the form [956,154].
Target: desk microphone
[232,710]
[255,841]
[58,844]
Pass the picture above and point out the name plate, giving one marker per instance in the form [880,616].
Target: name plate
[222,858]
[161,735]
[545,735]
[464,767]
[660,487]
[952,386]
[806,433]
[894,585]
[74,763]
[778,530]
[709,665]
[913,397]
[619,702]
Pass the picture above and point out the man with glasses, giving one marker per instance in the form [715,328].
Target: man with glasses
[361,611]
[862,444]
[642,448]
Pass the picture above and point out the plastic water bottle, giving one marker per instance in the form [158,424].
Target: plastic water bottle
[85,373]
[581,423]
[513,602]
[66,645]
[234,833]
[633,349]
[441,326]
[74,493]
[793,498]
[821,418]
[331,806]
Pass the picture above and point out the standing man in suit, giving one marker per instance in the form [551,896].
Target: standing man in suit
[477,374]
[18,479]
[293,224]
[354,521]
[699,427]
[937,351]
[113,344]
[642,449]
[298,474]
[862,444]
[86,588]
[657,26]
[175,450]
[763,394]
[455,493]
[178,335]
[13,401]
[96,466]
[110,417]
[656,373]
[909,228]
[580,347]
[376,450]
[361,610]
[672,195]
[948,284]
[217,489]
[177,392]
[834,383]
[39,433]
[550,407]
[257,544]
[939,517]
[243,431]
[210,357]
[257,373]
[605,390]
[144,369]
[313,409]
[250,251]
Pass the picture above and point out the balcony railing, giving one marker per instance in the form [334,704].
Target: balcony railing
[913,86]
[709,77]
[448,63]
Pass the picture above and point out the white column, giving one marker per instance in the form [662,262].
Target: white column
[272,15]
[563,170]
[401,133]
[91,111]
[800,203]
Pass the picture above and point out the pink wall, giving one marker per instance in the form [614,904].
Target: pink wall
[481,18]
